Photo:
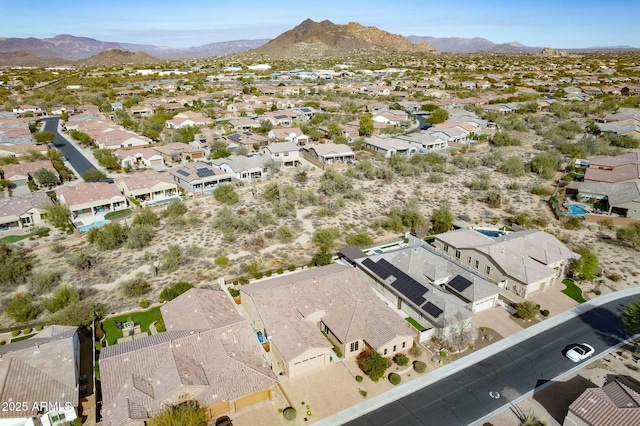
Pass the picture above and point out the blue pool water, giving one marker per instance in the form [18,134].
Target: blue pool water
[489,233]
[85,228]
[577,210]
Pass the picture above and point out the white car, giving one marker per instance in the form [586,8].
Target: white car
[580,352]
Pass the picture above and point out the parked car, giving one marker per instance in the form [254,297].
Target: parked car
[224,421]
[580,352]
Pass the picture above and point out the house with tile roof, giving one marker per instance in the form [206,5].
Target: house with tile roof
[619,168]
[616,403]
[424,142]
[20,174]
[20,150]
[522,262]
[177,152]
[389,146]
[209,355]
[293,311]
[149,187]
[41,376]
[141,157]
[24,210]
[242,167]
[285,154]
[199,177]
[91,198]
[288,134]
[188,118]
[329,154]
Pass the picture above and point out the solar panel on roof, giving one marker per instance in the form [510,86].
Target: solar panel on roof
[202,172]
[460,283]
[406,285]
[432,310]
[183,172]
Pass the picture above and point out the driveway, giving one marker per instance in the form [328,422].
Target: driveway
[77,160]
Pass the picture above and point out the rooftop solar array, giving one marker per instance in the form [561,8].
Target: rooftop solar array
[406,285]
[432,310]
[204,172]
[460,283]
[182,172]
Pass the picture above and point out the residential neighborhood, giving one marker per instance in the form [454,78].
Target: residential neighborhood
[339,225]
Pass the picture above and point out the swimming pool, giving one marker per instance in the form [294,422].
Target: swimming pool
[577,210]
[85,228]
[489,233]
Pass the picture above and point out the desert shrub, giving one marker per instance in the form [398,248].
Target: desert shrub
[174,290]
[363,393]
[108,237]
[395,379]
[144,303]
[572,223]
[415,350]
[540,190]
[359,239]
[172,259]
[27,331]
[43,282]
[160,327]
[62,297]
[22,308]
[135,288]
[527,310]
[222,261]
[146,216]
[435,178]
[139,236]
[15,265]
[359,378]
[289,413]
[544,312]
[175,209]
[15,333]
[285,233]
[3,342]
[291,268]
[39,328]
[401,359]
[419,366]
[614,276]
[372,364]
[280,270]
[226,194]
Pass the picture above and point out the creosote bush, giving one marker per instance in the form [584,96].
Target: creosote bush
[395,379]
[419,366]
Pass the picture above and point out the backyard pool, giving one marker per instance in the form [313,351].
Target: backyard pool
[577,210]
[490,233]
[85,228]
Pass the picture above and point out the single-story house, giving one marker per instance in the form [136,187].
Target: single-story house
[242,167]
[148,187]
[91,198]
[39,378]
[209,355]
[143,157]
[286,154]
[288,134]
[188,118]
[389,147]
[329,154]
[20,174]
[20,150]
[523,262]
[425,142]
[391,117]
[177,152]
[615,403]
[249,140]
[293,311]
[199,177]
[24,210]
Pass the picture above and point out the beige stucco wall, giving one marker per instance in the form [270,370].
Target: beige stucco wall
[317,358]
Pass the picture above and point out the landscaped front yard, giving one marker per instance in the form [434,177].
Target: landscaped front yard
[144,319]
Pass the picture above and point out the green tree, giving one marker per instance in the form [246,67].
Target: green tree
[585,268]
[175,290]
[45,177]
[366,125]
[438,116]
[22,308]
[326,238]
[527,310]
[172,259]
[545,164]
[106,159]
[175,209]
[139,236]
[146,216]
[108,237]
[44,137]
[631,317]
[57,214]
[186,134]
[226,194]
[78,314]
[62,297]
[93,175]
[372,364]
[186,414]
[512,167]
[15,265]
[360,238]
[135,288]
[442,219]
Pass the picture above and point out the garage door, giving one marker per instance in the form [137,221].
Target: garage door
[483,305]
[217,409]
[157,162]
[251,399]
[307,365]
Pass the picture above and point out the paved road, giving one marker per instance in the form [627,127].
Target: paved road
[463,398]
[77,160]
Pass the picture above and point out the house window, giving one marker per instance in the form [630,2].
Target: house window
[394,348]
[286,154]
[446,247]
[458,254]
[469,260]
[404,344]
[354,346]
[487,270]
[385,351]
[476,264]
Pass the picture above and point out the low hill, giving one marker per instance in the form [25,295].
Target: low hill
[117,57]
[21,58]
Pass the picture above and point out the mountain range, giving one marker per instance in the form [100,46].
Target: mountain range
[308,38]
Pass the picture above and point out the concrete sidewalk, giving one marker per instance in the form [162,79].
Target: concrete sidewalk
[401,391]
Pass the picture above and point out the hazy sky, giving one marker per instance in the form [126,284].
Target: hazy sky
[553,23]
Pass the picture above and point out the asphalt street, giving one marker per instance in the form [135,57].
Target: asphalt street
[465,397]
[74,157]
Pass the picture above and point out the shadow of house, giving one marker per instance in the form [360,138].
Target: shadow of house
[557,397]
